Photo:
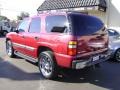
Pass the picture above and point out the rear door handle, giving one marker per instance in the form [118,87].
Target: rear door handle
[23,36]
[36,38]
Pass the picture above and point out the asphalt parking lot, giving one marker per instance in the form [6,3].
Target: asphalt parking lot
[18,74]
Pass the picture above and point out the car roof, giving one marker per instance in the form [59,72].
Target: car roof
[44,14]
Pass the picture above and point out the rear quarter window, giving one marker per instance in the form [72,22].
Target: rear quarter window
[84,24]
[56,23]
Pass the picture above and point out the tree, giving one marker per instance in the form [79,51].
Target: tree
[22,15]
[3,18]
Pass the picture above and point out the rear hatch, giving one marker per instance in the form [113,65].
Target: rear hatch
[90,33]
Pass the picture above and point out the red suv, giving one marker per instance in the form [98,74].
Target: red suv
[62,39]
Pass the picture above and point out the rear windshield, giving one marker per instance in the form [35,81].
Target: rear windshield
[84,24]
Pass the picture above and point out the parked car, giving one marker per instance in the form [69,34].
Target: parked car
[5,27]
[64,39]
[114,44]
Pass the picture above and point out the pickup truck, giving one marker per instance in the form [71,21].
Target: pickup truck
[5,27]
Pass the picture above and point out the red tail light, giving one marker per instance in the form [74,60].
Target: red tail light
[72,48]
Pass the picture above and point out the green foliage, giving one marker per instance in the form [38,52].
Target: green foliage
[22,15]
[3,18]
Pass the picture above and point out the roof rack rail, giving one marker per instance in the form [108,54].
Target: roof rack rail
[61,11]
[73,11]
[51,11]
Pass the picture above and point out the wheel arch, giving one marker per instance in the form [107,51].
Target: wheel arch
[7,39]
[43,48]
[114,54]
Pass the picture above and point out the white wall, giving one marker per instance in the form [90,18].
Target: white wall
[114,13]
[111,17]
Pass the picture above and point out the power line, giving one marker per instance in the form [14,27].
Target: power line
[11,10]
[14,10]
[0,9]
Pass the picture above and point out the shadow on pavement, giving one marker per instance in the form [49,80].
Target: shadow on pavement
[8,70]
[108,76]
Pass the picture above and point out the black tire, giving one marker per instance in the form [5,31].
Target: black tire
[9,49]
[117,55]
[47,65]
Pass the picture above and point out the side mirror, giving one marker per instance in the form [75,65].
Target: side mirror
[16,31]
[20,30]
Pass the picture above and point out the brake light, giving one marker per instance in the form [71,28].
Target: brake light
[72,48]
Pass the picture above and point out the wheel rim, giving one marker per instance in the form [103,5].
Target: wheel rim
[45,65]
[118,55]
[9,48]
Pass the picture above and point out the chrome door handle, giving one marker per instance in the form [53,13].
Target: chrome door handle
[36,38]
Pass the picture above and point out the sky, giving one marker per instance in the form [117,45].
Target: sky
[13,8]
[116,3]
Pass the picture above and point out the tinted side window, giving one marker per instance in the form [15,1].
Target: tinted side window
[35,25]
[56,23]
[23,25]
[112,32]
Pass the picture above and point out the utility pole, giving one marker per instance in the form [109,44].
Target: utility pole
[0,9]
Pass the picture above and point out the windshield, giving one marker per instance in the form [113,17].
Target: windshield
[84,24]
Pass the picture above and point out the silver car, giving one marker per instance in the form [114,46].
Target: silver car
[114,44]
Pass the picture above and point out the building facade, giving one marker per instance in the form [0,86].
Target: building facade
[107,10]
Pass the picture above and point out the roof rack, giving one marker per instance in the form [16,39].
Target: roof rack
[51,11]
[61,11]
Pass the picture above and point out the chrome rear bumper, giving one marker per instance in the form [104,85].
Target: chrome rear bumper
[79,64]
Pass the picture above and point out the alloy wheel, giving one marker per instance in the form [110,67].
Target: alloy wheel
[9,48]
[45,65]
[117,55]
